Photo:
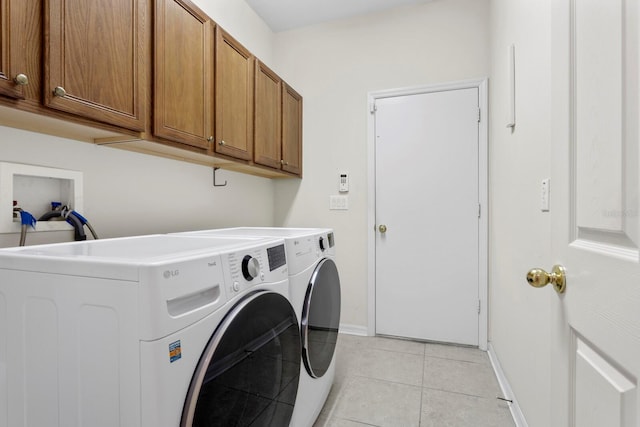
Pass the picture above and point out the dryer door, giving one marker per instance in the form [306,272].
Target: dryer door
[321,318]
[248,373]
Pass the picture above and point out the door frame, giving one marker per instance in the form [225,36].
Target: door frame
[483,190]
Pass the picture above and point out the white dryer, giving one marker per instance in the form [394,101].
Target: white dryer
[149,331]
[315,293]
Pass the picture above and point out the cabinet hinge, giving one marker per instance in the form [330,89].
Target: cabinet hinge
[479,210]
[373,108]
[479,305]
[479,115]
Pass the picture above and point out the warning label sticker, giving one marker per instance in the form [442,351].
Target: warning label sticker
[175,351]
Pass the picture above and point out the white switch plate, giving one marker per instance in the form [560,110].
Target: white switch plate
[544,195]
[338,203]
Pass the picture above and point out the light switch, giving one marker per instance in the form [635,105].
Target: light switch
[339,203]
[544,195]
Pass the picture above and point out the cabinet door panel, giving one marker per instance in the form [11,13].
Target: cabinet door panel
[234,98]
[291,130]
[20,23]
[95,57]
[183,110]
[268,112]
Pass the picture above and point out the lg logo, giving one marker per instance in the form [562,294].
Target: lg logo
[170,273]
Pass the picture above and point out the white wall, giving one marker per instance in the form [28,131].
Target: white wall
[334,66]
[519,231]
[239,20]
[127,193]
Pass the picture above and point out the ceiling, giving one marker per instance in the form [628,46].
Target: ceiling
[281,15]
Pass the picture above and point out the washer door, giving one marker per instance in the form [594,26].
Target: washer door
[321,318]
[248,374]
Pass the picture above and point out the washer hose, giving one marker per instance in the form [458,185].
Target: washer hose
[86,222]
[79,234]
[27,220]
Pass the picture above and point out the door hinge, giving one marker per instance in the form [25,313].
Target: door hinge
[479,210]
[373,108]
[479,115]
[479,305]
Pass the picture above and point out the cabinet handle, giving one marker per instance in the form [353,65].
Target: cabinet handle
[282,162]
[59,91]
[222,143]
[21,79]
[210,139]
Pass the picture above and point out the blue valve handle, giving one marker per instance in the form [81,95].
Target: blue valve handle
[27,219]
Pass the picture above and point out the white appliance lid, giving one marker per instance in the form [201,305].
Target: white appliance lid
[138,250]
[259,231]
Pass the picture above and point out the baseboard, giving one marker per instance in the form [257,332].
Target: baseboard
[514,407]
[353,330]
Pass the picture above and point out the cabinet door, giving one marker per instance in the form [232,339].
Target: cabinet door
[183,109]
[291,130]
[95,59]
[19,55]
[268,113]
[234,98]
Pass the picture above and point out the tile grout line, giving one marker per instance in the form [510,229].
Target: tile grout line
[424,362]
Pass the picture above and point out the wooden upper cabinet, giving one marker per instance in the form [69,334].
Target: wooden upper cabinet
[183,87]
[95,59]
[267,117]
[291,130]
[234,98]
[20,38]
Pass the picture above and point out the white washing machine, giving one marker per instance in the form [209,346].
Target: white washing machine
[148,331]
[315,294]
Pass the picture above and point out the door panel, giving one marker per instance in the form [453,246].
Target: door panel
[249,371]
[595,212]
[427,261]
[95,54]
[291,130]
[321,318]
[234,98]
[268,117]
[184,96]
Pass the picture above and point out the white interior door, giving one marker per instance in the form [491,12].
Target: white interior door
[594,212]
[427,196]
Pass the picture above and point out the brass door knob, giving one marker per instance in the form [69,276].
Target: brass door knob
[539,278]
[382,228]
[59,91]
[21,79]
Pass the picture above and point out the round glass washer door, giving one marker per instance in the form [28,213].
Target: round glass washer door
[321,318]
[248,374]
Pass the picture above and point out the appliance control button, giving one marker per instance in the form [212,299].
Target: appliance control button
[250,267]
[321,242]
[236,286]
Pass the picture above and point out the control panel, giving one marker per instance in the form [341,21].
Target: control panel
[250,267]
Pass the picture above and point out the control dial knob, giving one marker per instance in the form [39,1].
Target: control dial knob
[250,267]
[321,242]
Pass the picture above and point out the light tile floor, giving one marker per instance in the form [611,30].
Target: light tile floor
[387,382]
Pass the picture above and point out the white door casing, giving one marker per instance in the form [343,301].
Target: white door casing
[404,255]
[594,213]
